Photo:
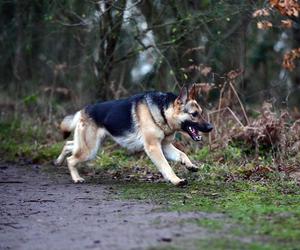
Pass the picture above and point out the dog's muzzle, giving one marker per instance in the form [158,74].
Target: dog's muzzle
[205,127]
[194,129]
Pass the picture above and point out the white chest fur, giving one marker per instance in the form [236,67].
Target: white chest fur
[132,141]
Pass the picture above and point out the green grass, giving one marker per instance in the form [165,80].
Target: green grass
[118,158]
[212,224]
[22,141]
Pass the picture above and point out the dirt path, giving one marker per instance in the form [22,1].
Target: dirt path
[40,210]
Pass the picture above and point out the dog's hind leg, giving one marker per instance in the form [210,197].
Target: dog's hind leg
[87,138]
[72,162]
[174,154]
[67,149]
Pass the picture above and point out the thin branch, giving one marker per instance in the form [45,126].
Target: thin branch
[131,53]
[232,113]
[240,102]
[209,134]
[168,63]
[220,101]
[72,24]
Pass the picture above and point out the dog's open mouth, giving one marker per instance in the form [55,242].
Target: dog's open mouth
[194,129]
[194,133]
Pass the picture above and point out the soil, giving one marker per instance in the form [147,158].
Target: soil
[44,210]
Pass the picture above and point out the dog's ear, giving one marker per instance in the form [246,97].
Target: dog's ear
[183,95]
[193,92]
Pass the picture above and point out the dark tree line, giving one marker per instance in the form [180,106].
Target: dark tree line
[107,49]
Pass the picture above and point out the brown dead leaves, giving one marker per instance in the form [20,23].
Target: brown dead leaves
[289,59]
[286,7]
[264,131]
[271,131]
[261,12]
[264,25]
[233,74]
[286,24]
[289,8]
[203,69]
[204,88]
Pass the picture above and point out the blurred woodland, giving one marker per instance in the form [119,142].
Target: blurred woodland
[57,56]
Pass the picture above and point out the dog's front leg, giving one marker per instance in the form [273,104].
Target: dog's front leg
[174,154]
[154,151]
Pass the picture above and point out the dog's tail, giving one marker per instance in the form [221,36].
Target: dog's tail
[69,123]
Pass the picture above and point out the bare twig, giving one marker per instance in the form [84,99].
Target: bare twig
[240,102]
[209,134]
[130,54]
[220,101]
[231,112]
[168,63]
[209,114]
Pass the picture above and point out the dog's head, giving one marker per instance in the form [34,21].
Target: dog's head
[188,114]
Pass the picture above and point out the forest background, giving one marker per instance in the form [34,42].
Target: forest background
[58,56]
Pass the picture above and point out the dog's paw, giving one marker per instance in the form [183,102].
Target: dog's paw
[182,183]
[192,168]
[79,180]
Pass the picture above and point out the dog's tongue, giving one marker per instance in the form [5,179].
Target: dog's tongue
[194,133]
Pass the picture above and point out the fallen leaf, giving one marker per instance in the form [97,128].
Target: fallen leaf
[289,59]
[286,7]
[205,71]
[264,25]
[234,74]
[286,23]
[261,12]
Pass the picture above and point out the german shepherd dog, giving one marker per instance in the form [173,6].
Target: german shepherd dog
[146,121]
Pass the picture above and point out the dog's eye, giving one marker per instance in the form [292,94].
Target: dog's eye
[194,114]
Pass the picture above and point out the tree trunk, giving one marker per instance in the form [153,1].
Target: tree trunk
[110,25]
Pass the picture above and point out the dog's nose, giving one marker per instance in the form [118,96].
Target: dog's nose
[209,127]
